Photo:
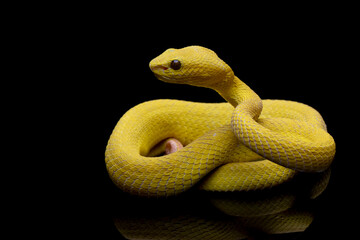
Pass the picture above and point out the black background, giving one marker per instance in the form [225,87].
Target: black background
[102,71]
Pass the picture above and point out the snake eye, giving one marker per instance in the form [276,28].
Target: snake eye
[175,64]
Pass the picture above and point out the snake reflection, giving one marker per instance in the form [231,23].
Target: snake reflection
[282,210]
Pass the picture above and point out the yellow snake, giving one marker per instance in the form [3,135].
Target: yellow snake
[245,144]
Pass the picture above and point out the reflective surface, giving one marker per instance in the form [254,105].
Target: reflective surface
[284,212]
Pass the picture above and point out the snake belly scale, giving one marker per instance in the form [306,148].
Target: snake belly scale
[243,144]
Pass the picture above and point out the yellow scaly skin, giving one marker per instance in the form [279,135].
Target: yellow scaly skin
[245,145]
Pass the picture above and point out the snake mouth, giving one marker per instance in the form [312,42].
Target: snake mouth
[158,67]
[159,72]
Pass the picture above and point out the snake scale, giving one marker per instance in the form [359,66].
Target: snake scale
[243,144]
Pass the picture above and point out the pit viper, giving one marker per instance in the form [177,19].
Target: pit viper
[243,144]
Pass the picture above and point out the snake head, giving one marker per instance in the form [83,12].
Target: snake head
[194,65]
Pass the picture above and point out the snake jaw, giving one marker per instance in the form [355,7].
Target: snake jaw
[158,68]
[159,71]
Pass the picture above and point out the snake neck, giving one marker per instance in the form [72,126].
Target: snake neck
[236,92]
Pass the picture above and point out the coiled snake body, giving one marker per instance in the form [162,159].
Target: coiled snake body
[245,144]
